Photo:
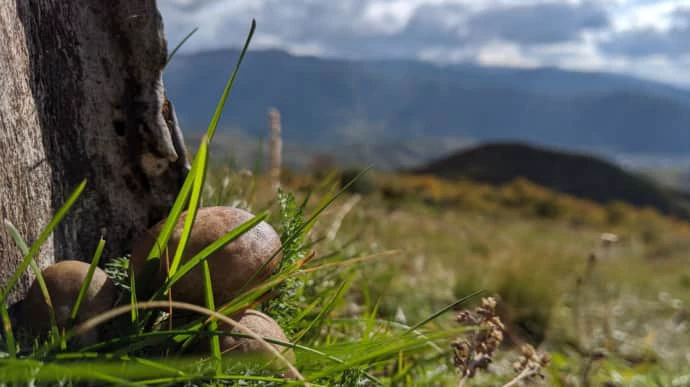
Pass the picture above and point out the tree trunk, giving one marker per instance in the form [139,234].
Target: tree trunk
[82,98]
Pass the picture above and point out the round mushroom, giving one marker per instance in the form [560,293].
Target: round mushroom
[64,280]
[259,323]
[231,266]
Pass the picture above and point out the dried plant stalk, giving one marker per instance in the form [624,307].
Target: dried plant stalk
[276,145]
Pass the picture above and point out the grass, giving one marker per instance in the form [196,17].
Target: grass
[352,319]
[378,276]
[466,236]
[139,346]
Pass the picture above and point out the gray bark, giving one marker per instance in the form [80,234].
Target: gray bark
[82,97]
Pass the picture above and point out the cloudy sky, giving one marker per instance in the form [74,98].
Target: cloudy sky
[646,38]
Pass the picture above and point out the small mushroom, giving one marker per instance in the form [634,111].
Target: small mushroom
[259,323]
[64,280]
[231,266]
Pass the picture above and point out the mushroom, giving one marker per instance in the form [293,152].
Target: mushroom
[231,267]
[259,323]
[64,280]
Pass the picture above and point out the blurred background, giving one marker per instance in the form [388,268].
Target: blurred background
[402,80]
[536,149]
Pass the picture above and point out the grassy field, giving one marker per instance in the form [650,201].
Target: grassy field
[379,286]
[389,280]
[571,276]
[603,290]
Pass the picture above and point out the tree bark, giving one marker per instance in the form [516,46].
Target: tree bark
[82,98]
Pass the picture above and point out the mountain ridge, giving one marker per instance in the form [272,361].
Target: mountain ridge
[331,100]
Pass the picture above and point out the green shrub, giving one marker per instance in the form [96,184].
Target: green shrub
[364,185]
[617,212]
[549,208]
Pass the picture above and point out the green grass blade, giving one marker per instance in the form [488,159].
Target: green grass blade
[160,336]
[36,246]
[228,86]
[210,304]
[443,310]
[171,221]
[173,216]
[327,308]
[200,171]
[180,44]
[388,324]
[220,378]
[14,233]
[244,299]
[370,352]
[307,225]
[148,363]
[87,281]
[210,249]
[7,329]
[326,203]
[159,246]
[134,313]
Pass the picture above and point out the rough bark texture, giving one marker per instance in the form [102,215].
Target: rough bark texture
[82,97]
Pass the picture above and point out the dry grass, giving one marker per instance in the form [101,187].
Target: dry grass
[457,238]
[619,318]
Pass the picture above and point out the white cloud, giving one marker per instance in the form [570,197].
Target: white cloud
[500,53]
[647,38]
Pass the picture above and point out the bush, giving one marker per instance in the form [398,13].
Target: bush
[364,185]
[549,208]
[617,212]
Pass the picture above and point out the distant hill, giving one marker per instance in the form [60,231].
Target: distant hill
[338,101]
[579,175]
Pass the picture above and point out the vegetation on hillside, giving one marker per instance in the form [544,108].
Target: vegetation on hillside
[579,175]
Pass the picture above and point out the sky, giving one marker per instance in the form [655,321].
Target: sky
[644,38]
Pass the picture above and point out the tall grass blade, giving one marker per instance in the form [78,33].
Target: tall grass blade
[180,44]
[173,216]
[177,209]
[211,305]
[328,201]
[134,313]
[443,310]
[86,356]
[36,246]
[87,281]
[14,233]
[228,86]
[200,172]
[376,351]
[210,249]
[327,308]
[7,329]
[306,226]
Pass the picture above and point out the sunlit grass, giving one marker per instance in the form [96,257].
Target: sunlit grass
[140,348]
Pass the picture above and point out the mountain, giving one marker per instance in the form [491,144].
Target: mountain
[327,101]
[576,174]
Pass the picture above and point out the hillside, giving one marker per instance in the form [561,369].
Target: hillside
[579,175]
[335,101]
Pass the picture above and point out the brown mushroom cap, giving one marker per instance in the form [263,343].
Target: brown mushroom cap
[64,280]
[231,267]
[259,323]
